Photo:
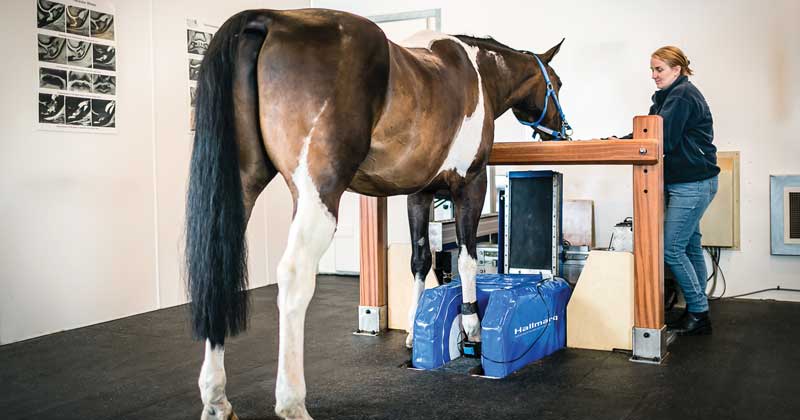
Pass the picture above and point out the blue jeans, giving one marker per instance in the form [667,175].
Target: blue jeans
[683,254]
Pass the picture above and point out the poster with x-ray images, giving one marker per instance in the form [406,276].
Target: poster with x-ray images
[77,65]
[198,38]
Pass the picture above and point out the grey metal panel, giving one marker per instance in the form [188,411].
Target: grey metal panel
[417,14]
[487,225]
[555,229]
[777,184]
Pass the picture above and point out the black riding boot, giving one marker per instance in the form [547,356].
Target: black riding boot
[695,323]
[678,321]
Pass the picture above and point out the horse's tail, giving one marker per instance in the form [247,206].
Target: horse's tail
[216,251]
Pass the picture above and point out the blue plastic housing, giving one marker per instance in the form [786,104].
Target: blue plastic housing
[513,315]
[522,325]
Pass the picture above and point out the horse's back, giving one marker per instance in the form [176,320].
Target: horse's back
[386,115]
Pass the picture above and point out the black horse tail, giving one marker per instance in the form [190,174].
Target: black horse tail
[216,250]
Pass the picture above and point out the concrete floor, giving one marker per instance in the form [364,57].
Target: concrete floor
[146,367]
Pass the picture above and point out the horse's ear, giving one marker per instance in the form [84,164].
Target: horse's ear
[548,56]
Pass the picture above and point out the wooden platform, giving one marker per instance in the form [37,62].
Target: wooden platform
[643,152]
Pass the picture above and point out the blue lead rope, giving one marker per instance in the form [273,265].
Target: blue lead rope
[566,130]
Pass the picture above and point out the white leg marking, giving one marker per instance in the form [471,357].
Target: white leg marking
[309,236]
[467,271]
[416,293]
[212,385]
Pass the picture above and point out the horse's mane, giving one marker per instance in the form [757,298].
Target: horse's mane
[489,43]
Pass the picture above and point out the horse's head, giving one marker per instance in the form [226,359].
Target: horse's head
[537,104]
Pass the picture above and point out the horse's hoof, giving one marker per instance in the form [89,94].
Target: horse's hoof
[472,326]
[211,413]
[409,341]
[295,411]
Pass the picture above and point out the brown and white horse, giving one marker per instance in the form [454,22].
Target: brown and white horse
[324,99]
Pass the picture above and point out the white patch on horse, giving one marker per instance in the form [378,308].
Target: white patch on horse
[424,39]
[416,293]
[499,60]
[212,385]
[468,271]
[310,235]
[464,146]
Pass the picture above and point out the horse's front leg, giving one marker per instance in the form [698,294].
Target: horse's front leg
[468,202]
[419,211]
[212,386]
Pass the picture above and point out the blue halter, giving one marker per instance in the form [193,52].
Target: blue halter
[566,130]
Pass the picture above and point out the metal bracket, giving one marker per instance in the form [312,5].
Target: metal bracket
[650,345]
[371,320]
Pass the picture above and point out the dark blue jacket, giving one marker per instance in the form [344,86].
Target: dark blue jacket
[689,154]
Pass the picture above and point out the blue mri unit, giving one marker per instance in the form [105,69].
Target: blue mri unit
[523,318]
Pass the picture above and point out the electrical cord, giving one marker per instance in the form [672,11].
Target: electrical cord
[778,288]
[547,325]
[715,252]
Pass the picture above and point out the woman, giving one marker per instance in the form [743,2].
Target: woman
[690,178]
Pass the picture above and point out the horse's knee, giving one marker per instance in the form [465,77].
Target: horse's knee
[421,259]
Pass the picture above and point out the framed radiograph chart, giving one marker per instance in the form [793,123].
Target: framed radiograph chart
[198,37]
[77,65]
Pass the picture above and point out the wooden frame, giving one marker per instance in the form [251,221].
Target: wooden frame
[644,153]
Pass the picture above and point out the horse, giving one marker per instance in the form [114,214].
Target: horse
[326,100]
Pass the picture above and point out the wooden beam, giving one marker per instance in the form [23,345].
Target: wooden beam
[641,151]
[648,230]
[373,276]
[644,152]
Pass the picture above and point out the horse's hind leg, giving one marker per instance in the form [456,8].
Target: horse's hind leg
[468,201]
[419,211]
[309,236]
[255,171]
[212,386]
[317,188]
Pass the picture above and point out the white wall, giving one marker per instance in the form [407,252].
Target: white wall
[745,56]
[266,235]
[91,223]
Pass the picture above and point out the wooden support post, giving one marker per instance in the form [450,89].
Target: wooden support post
[649,333]
[648,230]
[373,278]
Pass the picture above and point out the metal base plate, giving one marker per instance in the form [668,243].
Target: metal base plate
[650,345]
[371,320]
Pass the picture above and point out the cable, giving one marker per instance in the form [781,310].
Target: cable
[538,290]
[713,275]
[780,289]
[715,253]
